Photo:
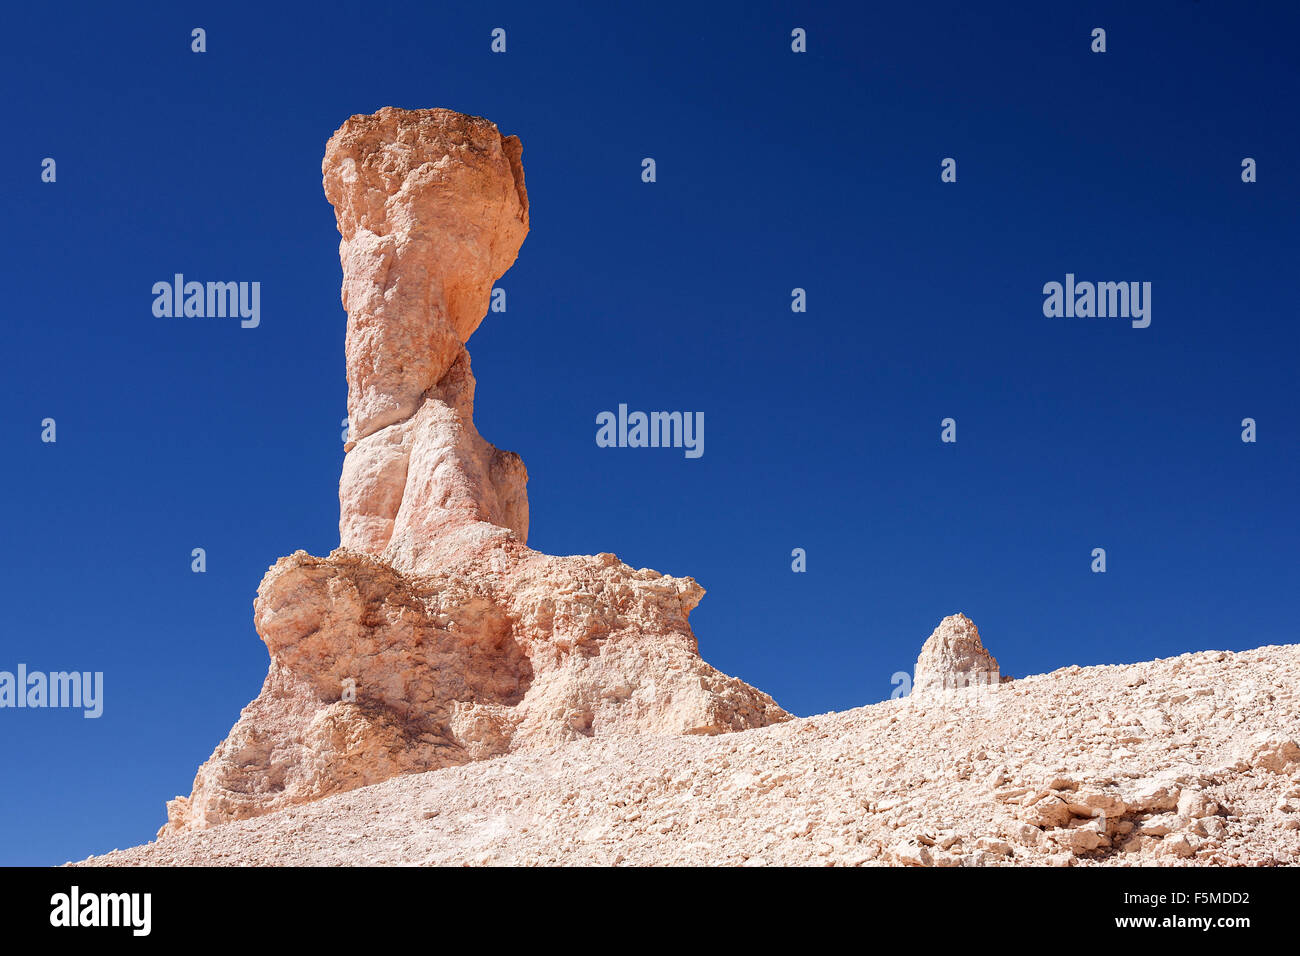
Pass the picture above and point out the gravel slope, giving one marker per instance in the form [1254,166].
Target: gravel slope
[1187,760]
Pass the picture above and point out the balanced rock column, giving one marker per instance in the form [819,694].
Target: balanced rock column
[432,210]
[433,635]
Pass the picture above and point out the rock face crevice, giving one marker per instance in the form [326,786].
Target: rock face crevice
[433,636]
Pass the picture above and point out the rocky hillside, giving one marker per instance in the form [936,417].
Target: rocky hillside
[1191,760]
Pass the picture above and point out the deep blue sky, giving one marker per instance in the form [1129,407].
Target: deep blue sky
[775,170]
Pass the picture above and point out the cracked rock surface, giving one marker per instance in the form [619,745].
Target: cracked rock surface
[434,636]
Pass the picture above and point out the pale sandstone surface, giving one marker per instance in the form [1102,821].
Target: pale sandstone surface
[434,636]
[953,657]
[1191,760]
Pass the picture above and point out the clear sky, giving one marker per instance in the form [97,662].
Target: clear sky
[775,170]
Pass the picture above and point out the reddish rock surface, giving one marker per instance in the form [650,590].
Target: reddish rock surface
[434,636]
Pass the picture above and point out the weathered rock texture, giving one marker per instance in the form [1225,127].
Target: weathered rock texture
[1192,760]
[434,636]
[953,657]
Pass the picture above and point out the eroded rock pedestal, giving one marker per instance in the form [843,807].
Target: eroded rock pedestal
[434,636]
